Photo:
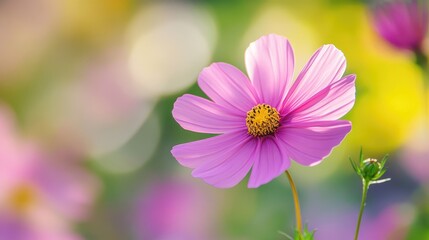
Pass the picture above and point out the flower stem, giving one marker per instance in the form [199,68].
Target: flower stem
[421,59]
[296,202]
[362,206]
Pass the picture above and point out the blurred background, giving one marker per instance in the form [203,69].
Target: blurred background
[86,93]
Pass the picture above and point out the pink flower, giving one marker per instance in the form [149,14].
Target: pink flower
[39,198]
[267,121]
[402,23]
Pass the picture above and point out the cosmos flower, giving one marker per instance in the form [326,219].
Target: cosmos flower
[267,121]
[39,198]
[402,23]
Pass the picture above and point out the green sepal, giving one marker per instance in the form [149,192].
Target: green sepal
[305,234]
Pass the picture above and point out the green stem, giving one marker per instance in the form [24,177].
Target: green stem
[362,206]
[421,60]
[296,202]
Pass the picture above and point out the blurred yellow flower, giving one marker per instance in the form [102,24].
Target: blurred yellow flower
[95,20]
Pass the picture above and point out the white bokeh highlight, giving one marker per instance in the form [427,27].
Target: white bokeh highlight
[169,45]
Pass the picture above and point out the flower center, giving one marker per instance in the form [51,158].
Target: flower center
[22,198]
[262,120]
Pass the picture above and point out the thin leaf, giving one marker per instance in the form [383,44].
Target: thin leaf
[380,181]
[285,234]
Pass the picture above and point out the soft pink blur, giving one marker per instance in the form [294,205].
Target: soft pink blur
[391,223]
[174,210]
[415,153]
[39,196]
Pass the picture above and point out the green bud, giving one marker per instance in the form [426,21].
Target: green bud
[371,169]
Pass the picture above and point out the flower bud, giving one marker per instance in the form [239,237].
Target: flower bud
[371,169]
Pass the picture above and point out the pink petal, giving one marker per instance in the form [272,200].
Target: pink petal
[331,103]
[271,161]
[408,19]
[221,161]
[201,115]
[308,143]
[194,154]
[270,65]
[228,86]
[393,24]
[387,29]
[326,66]
[402,23]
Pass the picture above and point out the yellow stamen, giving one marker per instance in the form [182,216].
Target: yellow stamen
[22,198]
[262,120]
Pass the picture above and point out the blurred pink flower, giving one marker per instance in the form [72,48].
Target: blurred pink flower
[14,227]
[39,198]
[268,120]
[174,210]
[402,23]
